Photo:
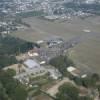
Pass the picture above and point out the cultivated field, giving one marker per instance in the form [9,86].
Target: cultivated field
[87,52]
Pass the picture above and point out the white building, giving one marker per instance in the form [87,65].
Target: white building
[31,64]
[33,67]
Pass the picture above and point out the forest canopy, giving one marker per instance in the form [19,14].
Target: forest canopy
[10,47]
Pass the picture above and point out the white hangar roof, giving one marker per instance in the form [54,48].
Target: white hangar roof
[31,64]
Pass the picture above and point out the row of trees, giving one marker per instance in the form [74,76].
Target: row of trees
[11,89]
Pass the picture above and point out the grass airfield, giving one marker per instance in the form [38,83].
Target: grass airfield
[86,53]
[43,29]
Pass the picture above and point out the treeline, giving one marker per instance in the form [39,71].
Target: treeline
[10,47]
[30,14]
[6,60]
[11,89]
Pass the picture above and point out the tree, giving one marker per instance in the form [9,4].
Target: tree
[13,88]
[95,77]
[10,46]
[77,80]
[11,72]
[88,82]
[61,63]
[3,95]
[98,87]
[67,92]
[19,93]
[20,65]
[85,98]
[7,60]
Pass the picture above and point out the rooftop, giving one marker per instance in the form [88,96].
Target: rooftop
[31,63]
